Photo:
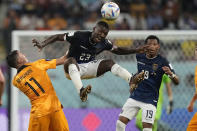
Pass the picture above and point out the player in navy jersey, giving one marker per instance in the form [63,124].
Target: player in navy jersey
[81,62]
[145,96]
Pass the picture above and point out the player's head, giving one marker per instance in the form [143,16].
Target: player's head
[15,59]
[195,53]
[153,45]
[100,32]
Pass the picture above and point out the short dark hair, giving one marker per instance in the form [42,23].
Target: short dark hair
[12,58]
[152,37]
[103,23]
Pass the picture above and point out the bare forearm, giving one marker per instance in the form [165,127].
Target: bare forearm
[169,91]
[173,77]
[124,51]
[175,80]
[193,99]
[53,38]
[2,86]
[61,60]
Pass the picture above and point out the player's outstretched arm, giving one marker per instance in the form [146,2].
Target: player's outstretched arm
[61,60]
[190,107]
[126,51]
[2,86]
[49,40]
[173,76]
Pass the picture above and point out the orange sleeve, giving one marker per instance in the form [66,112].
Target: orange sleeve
[46,64]
[196,79]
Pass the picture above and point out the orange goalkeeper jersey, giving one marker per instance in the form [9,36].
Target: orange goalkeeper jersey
[32,79]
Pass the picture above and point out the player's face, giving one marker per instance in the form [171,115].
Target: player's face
[22,58]
[99,34]
[153,47]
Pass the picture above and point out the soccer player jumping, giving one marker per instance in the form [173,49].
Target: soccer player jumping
[145,96]
[81,62]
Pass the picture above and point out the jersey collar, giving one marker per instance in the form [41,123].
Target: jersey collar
[153,57]
[21,68]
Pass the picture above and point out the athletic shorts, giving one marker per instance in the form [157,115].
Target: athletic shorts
[131,108]
[55,121]
[88,70]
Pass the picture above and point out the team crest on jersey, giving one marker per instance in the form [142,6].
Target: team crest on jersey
[155,67]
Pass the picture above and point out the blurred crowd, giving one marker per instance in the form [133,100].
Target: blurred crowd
[82,14]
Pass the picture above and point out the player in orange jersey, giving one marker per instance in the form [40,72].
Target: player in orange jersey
[192,126]
[32,79]
[2,86]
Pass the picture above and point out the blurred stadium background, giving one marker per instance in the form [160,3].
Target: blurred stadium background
[109,93]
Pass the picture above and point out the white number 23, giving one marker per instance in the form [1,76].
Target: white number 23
[84,56]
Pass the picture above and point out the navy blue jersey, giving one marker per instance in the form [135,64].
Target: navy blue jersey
[82,49]
[148,90]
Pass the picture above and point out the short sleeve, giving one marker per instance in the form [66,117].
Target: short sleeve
[166,63]
[137,56]
[46,64]
[70,37]
[109,44]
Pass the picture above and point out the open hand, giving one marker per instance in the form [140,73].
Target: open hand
[142,49]
[37,44]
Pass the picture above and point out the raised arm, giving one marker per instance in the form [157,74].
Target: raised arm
[2,86]
[126,51]
[49,40]
[172,76]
